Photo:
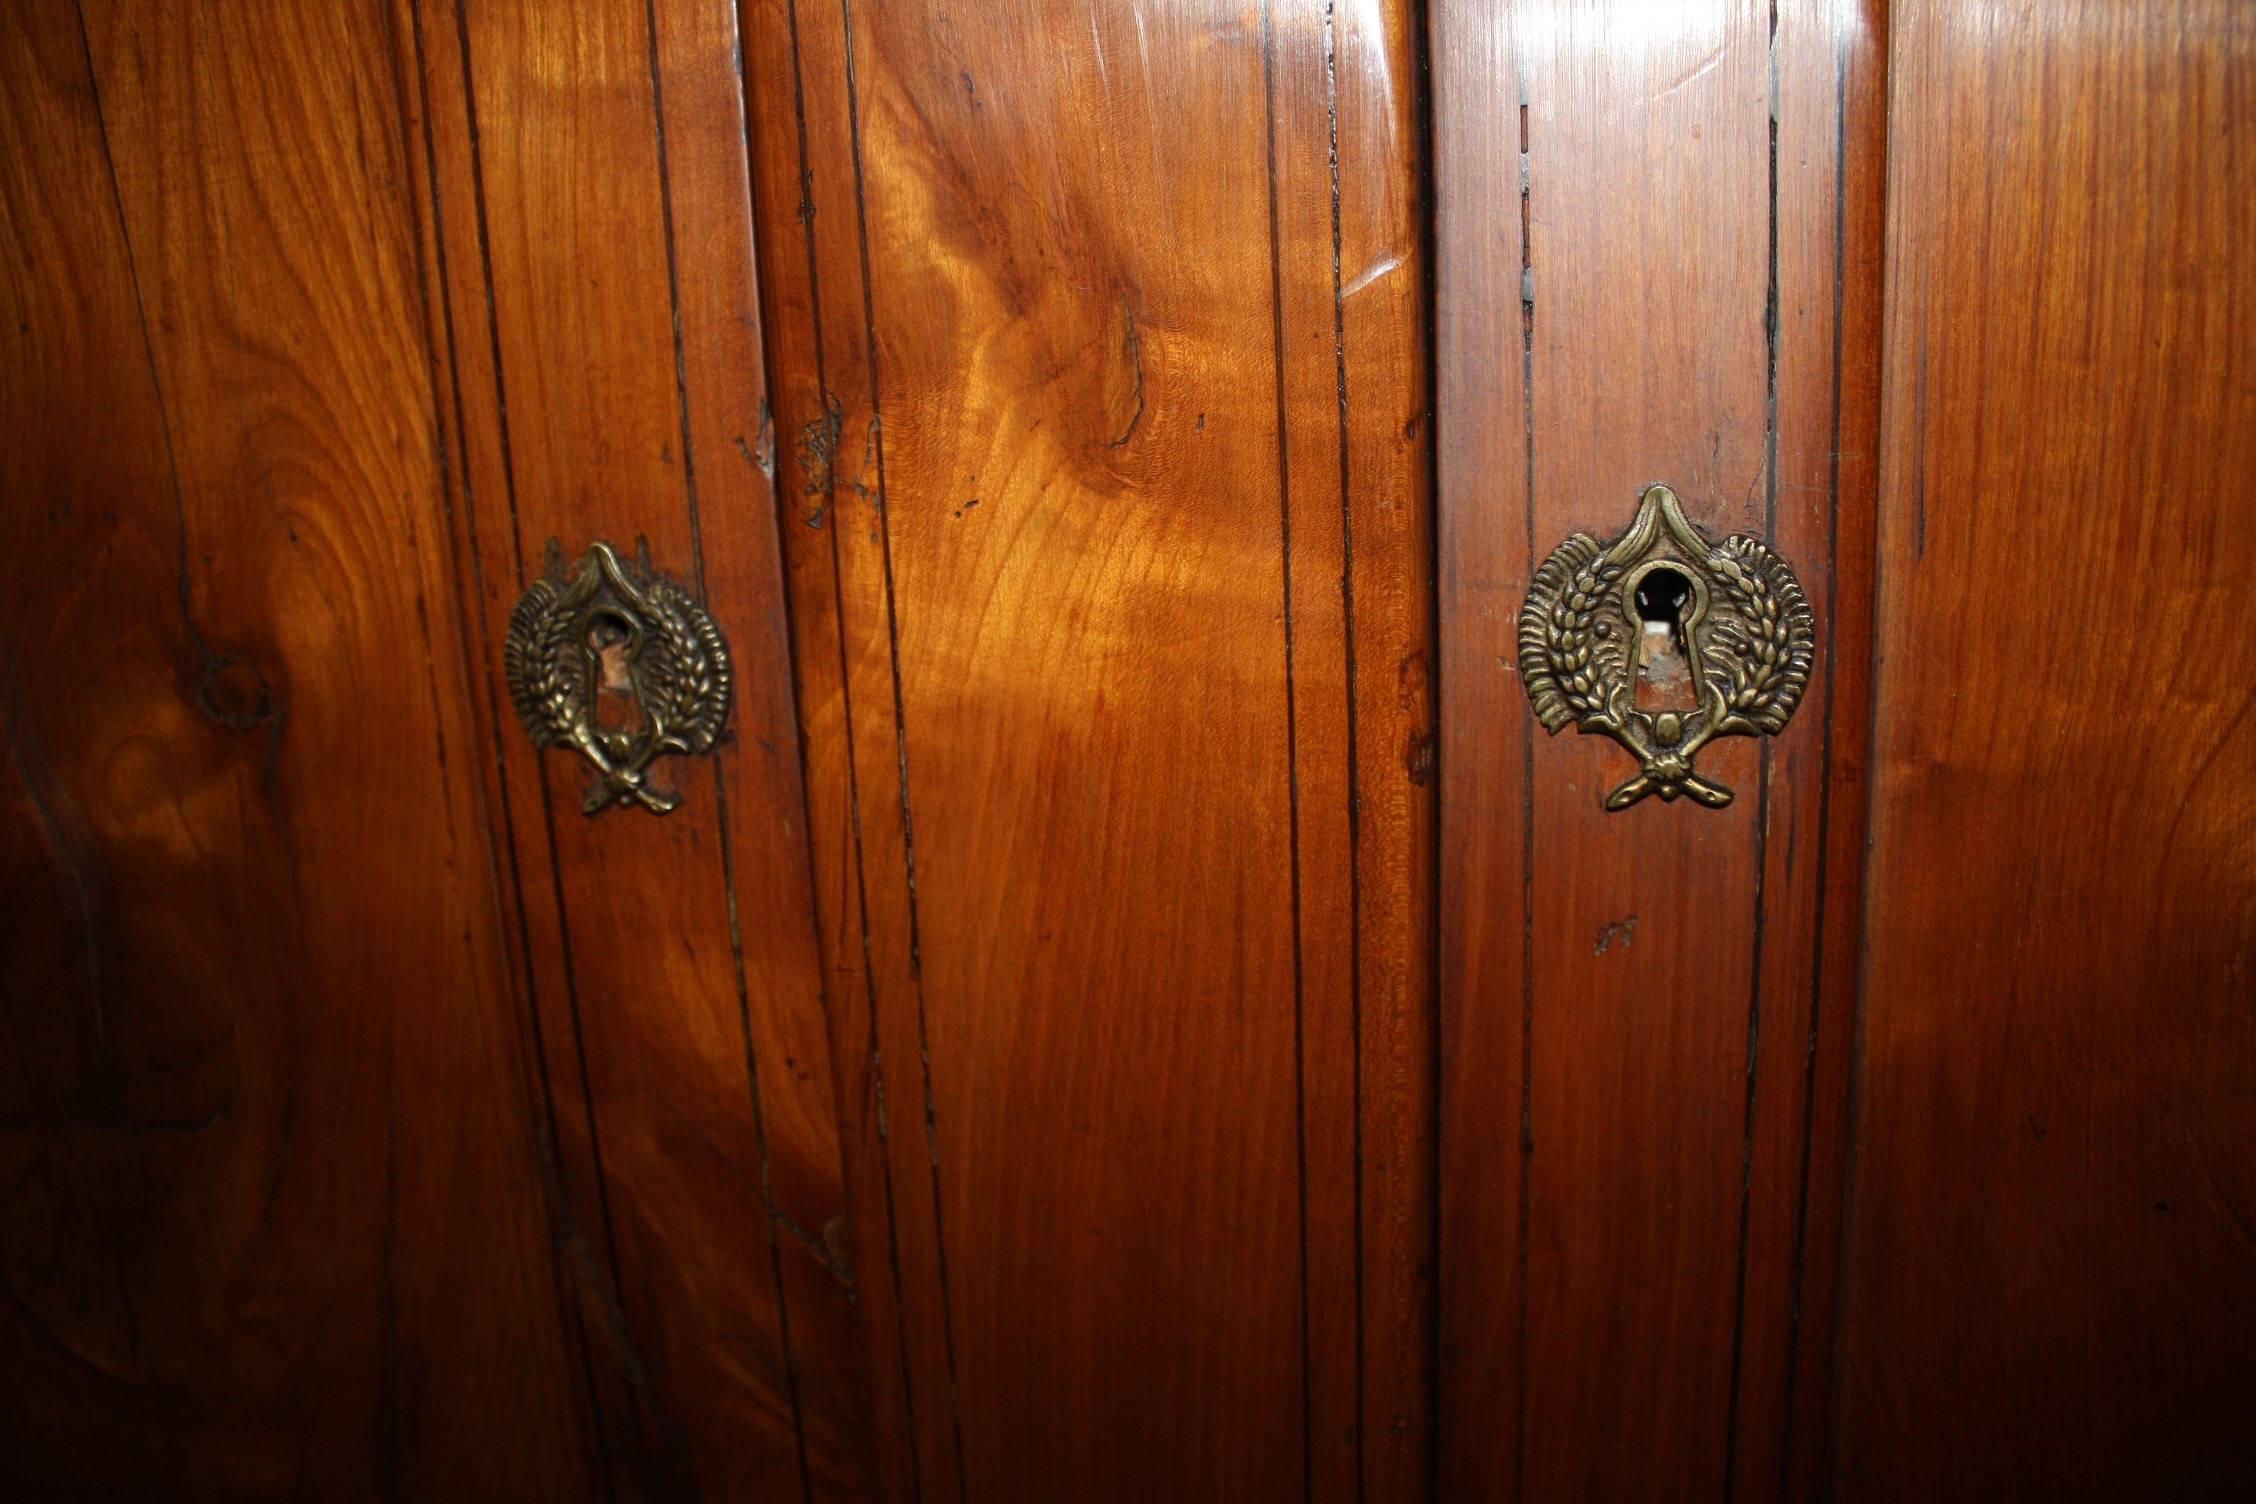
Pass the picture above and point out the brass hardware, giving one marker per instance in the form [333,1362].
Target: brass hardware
[1665,641]
[621,663]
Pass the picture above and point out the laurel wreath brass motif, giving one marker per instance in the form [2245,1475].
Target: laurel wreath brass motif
[1665,641]
[621,663]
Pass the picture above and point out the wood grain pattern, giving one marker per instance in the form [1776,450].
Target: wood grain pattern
[1644,367]
[1633,1048]
[1353,487]
[1076,1040]
[273,1220]
[1828,175]
[1097,554]
[598,280]
[818,350]
[2051,1288]
[1486,556]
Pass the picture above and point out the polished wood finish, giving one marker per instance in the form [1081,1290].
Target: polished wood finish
[1829,180]
[1100,417]
[1133,1009]
[595,273]
[1641,1077]
[272,1223]
[2051,1293]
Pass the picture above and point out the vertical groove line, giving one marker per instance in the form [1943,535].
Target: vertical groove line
[1292,751]
[1771,316]
[786,606]
[1419,24]
[1354,767]
[1825,784]
[787,609]
[720,780]
[1526,1208]
[1851,1132]
[549,1146]
[901,734]
[611,1299]
[853,776]
[1883,60]
[517,543]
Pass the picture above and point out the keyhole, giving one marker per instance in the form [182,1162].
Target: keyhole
[610,640]
[1661,596]
[1664,663]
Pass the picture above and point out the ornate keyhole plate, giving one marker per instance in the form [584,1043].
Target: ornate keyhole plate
[1613,634]
[621,663]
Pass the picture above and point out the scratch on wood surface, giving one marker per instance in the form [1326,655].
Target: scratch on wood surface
[1385,266]
[1698,71]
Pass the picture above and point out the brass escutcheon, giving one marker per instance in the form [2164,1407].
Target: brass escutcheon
[1664,641]
[620,662]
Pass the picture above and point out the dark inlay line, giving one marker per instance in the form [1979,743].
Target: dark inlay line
[853,776]
[1844,41]
[1421,24]
[1527,803]
[1851,1133]
[720,778]
[901,735]
[785,606]
[1354,765]
[416,266]
[1771,314]
[1825,783]
[787,611]
[613,1308]
[474,614]
[1292,752]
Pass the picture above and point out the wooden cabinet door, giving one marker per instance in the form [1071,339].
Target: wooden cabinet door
[374,1120]
[1006,1073]
[271,1216]
[1657,231]
[1660,247]
[1132,1005]
[2051,1253]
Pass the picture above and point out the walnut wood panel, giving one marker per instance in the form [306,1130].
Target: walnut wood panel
[1100,429]
[2052,1293]
[273,1220]
[1654,237]
[596,273]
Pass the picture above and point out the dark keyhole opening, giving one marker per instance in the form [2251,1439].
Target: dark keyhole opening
[1661,595]
[610,638]
[1664,666]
